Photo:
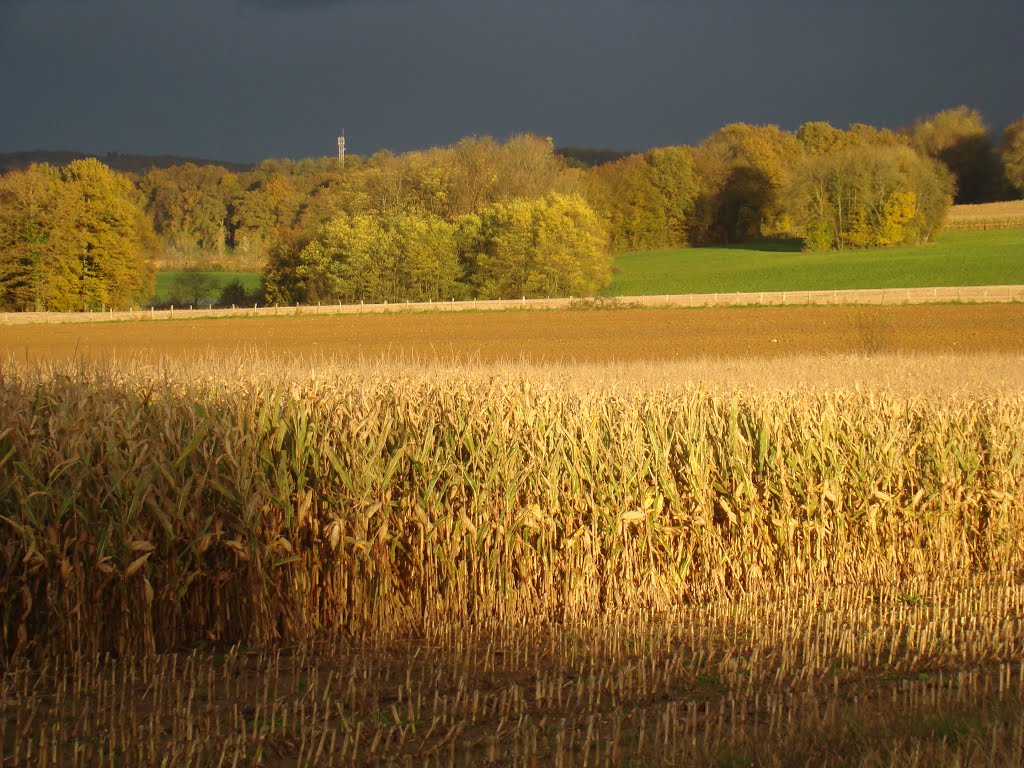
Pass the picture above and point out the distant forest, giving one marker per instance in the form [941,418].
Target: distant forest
[126,163]
[481,218]
[575,157]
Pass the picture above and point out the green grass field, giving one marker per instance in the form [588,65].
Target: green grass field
[993,257]
[217,280]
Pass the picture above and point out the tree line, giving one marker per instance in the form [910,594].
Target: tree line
[484,218]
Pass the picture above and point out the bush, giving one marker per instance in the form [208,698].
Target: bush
[234,295]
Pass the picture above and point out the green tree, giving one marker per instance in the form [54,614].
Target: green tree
[1013,155]
[571,256]
[192,287]
[343,263]
[234,295]
[428,264]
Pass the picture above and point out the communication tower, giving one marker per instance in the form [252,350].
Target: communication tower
[341,148]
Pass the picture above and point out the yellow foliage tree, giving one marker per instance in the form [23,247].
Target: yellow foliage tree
[1013,155]
[550,246]
[869,195]
[73,239]
[412,257]
[647,200]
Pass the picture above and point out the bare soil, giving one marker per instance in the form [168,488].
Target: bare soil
[545,337]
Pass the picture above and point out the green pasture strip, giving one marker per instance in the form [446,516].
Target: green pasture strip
[165,282]
[991,257]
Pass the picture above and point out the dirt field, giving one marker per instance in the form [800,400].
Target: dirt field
[546,337]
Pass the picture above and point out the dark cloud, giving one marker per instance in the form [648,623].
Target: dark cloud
[244,79]
[291,5]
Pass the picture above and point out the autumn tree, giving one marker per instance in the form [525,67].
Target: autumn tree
[475,175]
[960,139]
[189,205]
[622,193]
[861,134]
[821,138]
[263,213]
[676,189]
[745,170]
[648,200]
[104,232]
[1013,155]
[869,195]
[73,239]
[550,246]
[29,265]
[529,167]
[449,182]
[411,257]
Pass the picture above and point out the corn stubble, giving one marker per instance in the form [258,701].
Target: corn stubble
[456,567]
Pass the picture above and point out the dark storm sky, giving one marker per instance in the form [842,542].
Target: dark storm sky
[247,79]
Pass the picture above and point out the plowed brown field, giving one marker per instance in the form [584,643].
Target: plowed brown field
[549,337]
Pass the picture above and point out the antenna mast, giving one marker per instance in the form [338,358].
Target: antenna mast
[341,148]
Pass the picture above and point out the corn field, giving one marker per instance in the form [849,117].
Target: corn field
[455,567]
[1003,215]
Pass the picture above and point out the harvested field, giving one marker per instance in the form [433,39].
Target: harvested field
[1002,215]
[799,679]
[622,335]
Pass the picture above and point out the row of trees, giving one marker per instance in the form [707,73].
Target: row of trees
[487,218]
[479,219]
[747,181]
[553,245]
[197,209]
[733,186]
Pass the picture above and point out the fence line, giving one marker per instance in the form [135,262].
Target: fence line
[888,296]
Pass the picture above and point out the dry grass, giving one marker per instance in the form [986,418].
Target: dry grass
[724,563]
[1004,215]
